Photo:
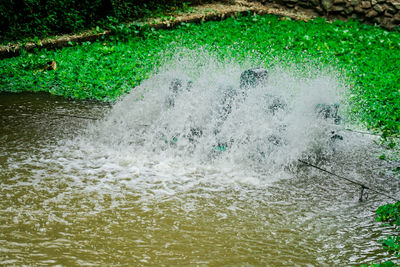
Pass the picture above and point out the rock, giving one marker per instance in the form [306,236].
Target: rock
[390,9]
[396,4]
[339,2]
[366,4]
[378,20]
[386,22]
[396,18]
[378,8]
[337,8]
[306,4]
[371,14]
[319,9]
[359,9]
[388,14]
[327,4]
[348,10]
[315,2]
[374,2]
[253,77]
[354,2]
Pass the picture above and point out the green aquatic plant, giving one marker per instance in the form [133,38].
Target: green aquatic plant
[389,214]
[384,264]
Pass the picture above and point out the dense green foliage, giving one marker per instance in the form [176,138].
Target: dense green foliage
[368,56]
[33,17]
[30,18]
[384,264]
[390,213]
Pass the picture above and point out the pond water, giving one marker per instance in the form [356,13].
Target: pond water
[132,189]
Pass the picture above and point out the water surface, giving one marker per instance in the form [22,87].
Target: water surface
[121,191]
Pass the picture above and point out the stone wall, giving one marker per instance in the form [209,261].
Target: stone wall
[382,12]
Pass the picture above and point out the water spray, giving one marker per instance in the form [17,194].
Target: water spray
[262,134]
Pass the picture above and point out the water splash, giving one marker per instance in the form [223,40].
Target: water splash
[196,111]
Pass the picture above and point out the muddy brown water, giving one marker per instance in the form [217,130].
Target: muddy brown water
[63,209]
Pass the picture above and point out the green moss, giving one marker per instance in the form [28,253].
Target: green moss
[389,214]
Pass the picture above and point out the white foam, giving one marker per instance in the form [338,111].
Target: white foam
[145,135]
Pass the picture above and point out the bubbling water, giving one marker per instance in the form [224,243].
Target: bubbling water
[196,112]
